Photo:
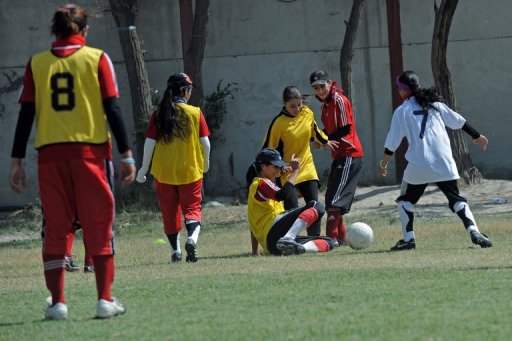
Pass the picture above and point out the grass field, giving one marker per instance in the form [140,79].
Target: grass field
[446,289]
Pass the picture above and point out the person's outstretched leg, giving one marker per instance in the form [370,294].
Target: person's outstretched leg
[465,214]
[287,244]
[459,205]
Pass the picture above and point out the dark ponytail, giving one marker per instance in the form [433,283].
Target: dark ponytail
[171,121]
[425,97]
[252,172]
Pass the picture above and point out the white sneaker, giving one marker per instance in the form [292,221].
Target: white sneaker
[56,312]
[106,309]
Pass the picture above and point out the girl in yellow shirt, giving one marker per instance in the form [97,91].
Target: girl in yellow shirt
[290,133]
[271,226]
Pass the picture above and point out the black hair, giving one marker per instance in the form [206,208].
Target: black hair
[291,92]
[171,121]
[253,171]
[424,96]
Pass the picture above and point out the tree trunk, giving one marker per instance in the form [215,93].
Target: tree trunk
[442,77]
[124,13]
[396,68]
[195,53]
[347,49]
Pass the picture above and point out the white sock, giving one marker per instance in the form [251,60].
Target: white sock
[195,234]
[297,226]
[406,212]
[311,246]
[463,211]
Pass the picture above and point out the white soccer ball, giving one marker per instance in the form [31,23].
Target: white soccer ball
[359,236]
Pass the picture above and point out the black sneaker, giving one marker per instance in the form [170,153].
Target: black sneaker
[89,268]
[288,246]
[176,257]
[402,245]
[480,239]
[70,265]
[342,242]
[190,247]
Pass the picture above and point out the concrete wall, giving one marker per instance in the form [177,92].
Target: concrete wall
[266,45]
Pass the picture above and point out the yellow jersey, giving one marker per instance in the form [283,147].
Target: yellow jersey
[262,209]
[69,106]
[181,161]
[291,135]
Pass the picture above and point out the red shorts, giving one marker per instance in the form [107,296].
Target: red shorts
[77,188]
[175,199]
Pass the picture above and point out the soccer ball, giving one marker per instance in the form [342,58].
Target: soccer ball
[359,236]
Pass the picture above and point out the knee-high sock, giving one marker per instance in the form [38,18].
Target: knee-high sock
[104,271]
[193,229]
[331,227]
[297,226]
[406,212]
[304,220]
[54,276]
[342,231]
[317,245]
[464,213]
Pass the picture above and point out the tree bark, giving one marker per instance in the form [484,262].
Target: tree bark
[347,49]
[124,13]
[396,67]
[193,60]
[442,77]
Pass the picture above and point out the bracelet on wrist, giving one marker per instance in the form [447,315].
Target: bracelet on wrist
[383,165]
[128,160]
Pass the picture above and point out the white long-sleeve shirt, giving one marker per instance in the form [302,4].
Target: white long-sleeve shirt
[429,154]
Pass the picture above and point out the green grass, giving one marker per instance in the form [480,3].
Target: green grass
[446,289]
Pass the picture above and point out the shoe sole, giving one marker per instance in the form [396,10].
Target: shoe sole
[482,243]
[403,248]
[191,249]
[290,249]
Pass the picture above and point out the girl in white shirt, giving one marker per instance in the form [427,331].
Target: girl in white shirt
[422,119]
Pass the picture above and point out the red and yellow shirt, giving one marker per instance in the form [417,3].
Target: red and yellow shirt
[180,161]
[262,208]
[105,83]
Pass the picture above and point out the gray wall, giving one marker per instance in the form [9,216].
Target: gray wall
[268,44]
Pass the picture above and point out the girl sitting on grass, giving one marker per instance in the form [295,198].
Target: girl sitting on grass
[272,227]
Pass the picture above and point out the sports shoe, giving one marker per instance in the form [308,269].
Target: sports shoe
[288,246]
[480,239]
[106,309]
[342,242]
[402,245]
[57,312]
[70,265]
[89,268]
[176,257]
[190,247]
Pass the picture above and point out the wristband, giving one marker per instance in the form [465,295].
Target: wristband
[128,160]
[382,165]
